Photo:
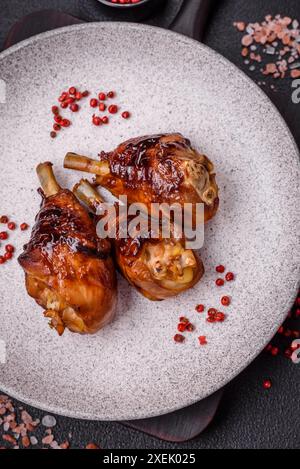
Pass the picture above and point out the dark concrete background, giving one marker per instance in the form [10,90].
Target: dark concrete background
[249,417]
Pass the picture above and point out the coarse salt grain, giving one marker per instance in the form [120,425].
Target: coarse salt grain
[279,37]
[48,421]
[33,440]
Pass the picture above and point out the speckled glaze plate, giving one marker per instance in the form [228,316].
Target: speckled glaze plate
[133,369]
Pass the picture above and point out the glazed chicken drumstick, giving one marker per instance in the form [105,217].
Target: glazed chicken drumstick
[155,169]
[68,269]
[158,268]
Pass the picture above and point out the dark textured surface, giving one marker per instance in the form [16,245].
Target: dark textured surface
[161,15]
[249,417]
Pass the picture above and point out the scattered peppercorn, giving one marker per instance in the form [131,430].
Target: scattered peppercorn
[219,282]
[179,338]
[93,102]
[229,277]
[225,300]
[267,384]
[113,109]
[11,226]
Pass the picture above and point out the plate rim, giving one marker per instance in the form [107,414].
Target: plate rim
[265,99]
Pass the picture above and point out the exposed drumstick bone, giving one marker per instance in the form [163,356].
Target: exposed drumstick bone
[47,179]
[88,165]
[85,192]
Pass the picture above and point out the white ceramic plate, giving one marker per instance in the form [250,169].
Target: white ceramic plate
[133,369]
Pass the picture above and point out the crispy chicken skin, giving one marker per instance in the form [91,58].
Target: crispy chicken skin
[68,269]
[155,169]
[158,268]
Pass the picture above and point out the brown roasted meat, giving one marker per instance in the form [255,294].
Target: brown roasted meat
[158,268]
[155,169]
[68,269]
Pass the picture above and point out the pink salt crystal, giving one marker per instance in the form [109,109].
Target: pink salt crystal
[295,73]
[240,25]
[247,40]
[26,418]
[270,69]
[47,440]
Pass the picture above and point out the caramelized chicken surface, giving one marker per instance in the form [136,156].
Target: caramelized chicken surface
[157,268]
[68,269]
[155,169]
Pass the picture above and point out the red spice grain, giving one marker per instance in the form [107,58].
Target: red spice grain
[65,123]
[72,90]
[202,340]
[220,317]
[93,102]
[199,308]
[229,276]
[55,110]
[181,327]
[267,384]
[219,282]
[225,300]
[4,219]
[3,235]
[102,96]
[179,338]
[274,351]
[58,119]
[125,115]
[56,127]
[63,97]
[111,94]
[105,120]
[102,107]
[184,320]
[220,269]
[74,107]
[53,134]
[11,226]
[211,319]
[2,260]
[113,109]
[70,101]
[190,327]
[96,120]
[7,256]
[24,226]
[64,105]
